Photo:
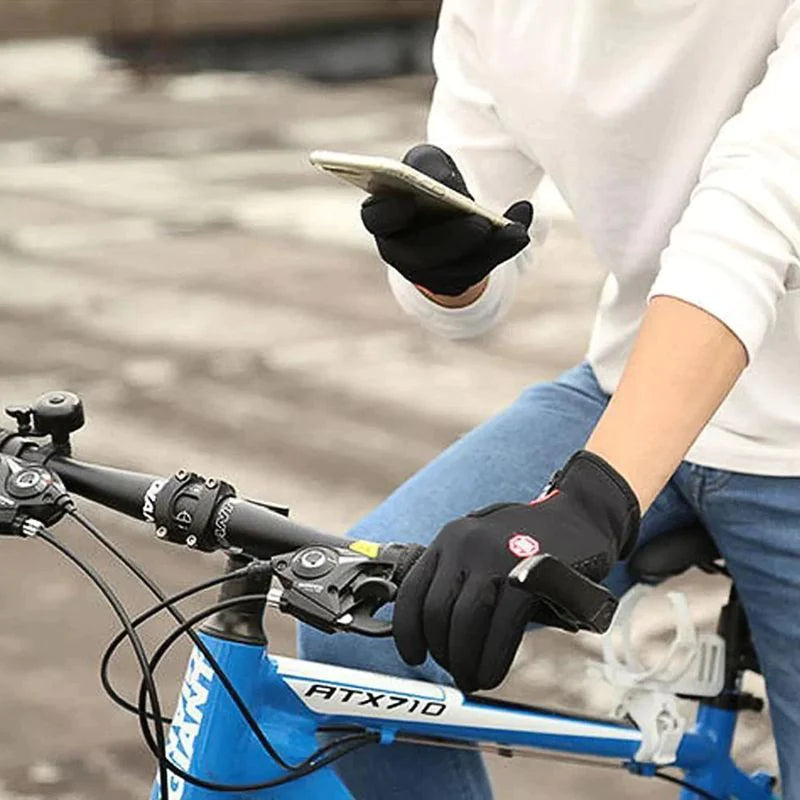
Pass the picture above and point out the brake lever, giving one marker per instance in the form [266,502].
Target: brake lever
[365,624]
[579,601]
[335,589]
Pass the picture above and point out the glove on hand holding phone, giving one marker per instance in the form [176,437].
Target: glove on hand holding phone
[442,251]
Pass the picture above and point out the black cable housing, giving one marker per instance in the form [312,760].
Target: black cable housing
[150,690]
[115,643]
[157,592]
[313,763]
[323,756]
[685,784]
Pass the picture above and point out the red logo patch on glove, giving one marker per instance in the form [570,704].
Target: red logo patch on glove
[523,546]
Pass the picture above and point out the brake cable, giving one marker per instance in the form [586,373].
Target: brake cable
[317,760]
[157,592]
[311,764]
[136,643]
[115,643]
[41,500]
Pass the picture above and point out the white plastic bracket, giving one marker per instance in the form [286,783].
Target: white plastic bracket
[693,664]
[661,724]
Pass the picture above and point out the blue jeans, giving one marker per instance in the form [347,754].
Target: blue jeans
[755,521]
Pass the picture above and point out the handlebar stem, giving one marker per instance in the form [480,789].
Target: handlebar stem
[190,510]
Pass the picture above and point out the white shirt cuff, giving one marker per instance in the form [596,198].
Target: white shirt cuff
[459,323]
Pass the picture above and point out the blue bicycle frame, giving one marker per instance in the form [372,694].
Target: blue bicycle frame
[292,699]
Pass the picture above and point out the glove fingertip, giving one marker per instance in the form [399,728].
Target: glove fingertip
[521,213]
[512,613]
[494,669]
[491,679]
[410,643]
[414,656]
[467,686]
[407,622]
[509,241]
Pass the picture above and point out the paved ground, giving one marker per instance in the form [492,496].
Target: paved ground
[167,253]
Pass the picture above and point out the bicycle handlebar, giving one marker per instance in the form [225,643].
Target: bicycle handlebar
[256,528]
[326,581]
[205,514]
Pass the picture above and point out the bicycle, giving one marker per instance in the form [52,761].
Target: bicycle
[247,723]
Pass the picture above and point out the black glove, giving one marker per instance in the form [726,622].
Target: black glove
[457,602]
[443,251]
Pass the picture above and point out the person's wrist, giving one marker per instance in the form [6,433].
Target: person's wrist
[466,298]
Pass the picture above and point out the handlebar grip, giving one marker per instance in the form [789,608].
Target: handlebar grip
[403,556]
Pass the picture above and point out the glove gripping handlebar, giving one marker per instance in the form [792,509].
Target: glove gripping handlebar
[205,514]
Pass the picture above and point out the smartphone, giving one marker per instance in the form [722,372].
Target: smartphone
[379,175]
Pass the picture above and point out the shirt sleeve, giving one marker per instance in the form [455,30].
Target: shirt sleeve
[736,250]
[463,121]
[459,323]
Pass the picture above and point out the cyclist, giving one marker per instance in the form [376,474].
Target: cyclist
[672,128]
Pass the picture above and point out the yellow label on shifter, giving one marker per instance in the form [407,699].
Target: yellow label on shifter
[369,549]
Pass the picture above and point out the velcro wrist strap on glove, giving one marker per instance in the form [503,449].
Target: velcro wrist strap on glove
[600,489]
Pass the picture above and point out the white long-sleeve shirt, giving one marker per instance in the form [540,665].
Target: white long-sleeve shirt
[672,129]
